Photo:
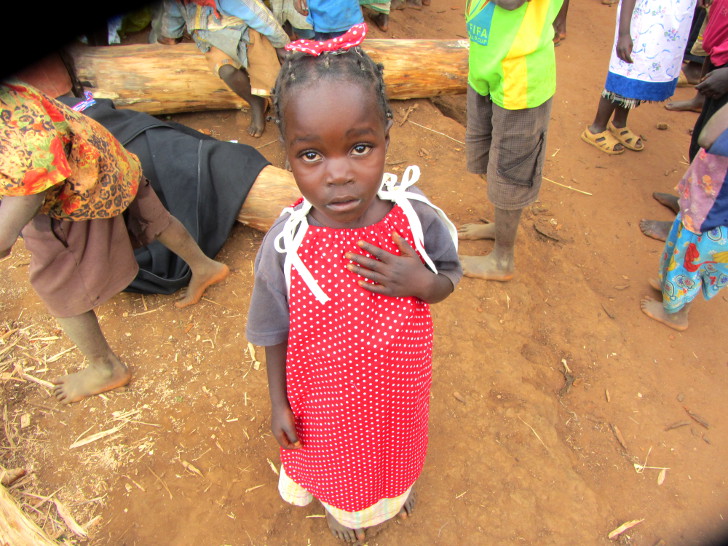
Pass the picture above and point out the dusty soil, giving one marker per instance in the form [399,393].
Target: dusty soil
[549,391]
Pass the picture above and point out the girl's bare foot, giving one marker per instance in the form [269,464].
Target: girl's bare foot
[486,268]
[654,309]
[354,536]
[474,232]
[672,202]
[656,229]
[213,274]
[409,505]
[93,379]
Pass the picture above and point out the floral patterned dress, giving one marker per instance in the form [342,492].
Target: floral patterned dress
[659,31]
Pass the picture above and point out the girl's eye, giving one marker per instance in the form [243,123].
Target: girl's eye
[310,156]
[361,149]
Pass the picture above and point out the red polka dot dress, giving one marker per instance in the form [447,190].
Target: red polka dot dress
[358,374]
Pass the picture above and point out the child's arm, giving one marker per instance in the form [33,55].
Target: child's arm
[399,276]
[283,424]
[15,213]
[624,37]
[714,84]
[715,126]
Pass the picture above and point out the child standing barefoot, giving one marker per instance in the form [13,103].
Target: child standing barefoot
[696,250]
[343,284]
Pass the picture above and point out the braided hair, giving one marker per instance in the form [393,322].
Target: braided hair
[352,64]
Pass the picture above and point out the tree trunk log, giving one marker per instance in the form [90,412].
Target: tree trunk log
[273,190]
[159,79]
[16,528]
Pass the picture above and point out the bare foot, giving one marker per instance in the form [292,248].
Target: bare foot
[655,310]
[93,379]
[409,505]
[654,282]
[354,536]
[257,117]
[486,268]
[474,232]
[655,229]
[672,202]
[382,21]
[199,283]
[693,105]
[164,40]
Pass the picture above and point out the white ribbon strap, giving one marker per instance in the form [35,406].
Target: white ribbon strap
[399,194]
[294,230]
[288,241]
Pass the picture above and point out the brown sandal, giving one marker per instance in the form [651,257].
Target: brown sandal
[605,141]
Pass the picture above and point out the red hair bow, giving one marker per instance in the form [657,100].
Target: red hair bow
[352,37]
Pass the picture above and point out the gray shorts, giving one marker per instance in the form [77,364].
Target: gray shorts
[509,147]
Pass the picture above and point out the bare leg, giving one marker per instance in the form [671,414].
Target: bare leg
[696,103]
[205,271]
[104,371]
[693,71]
[499,264]
[605,109]
[656,229]
[655,310]
[672,202]
[560,23]
[239,82]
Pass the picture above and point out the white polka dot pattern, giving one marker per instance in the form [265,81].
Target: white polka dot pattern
[352,37]
[358,375]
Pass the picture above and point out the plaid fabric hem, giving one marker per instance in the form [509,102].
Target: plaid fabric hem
[381,511]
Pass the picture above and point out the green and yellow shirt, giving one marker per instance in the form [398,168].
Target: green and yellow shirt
[512,52]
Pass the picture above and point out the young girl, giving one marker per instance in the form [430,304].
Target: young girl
[343,284]
[696,250]
[647,56]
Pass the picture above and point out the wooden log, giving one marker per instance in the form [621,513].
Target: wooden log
[159,79]
[273,190]
[16,528]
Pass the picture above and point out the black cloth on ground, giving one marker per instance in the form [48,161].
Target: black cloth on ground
[202,181]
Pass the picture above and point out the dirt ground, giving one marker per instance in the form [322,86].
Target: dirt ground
[555,404]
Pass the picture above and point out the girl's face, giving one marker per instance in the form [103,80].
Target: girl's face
[336,142]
